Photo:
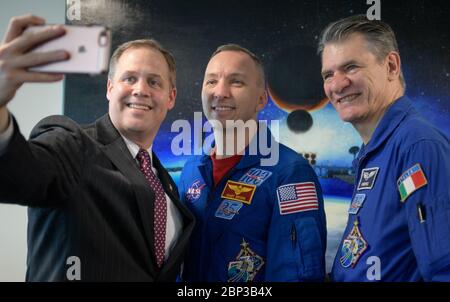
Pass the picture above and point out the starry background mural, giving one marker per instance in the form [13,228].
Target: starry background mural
[284,34]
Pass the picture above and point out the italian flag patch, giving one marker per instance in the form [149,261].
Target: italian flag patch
[410,181]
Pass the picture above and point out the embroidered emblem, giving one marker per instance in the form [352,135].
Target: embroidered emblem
[411,180]
[353,246]
[367,179]
[246,265]
[238,191]
[195,190]
[255,176]
[357,203]
[297,197]
[228,208]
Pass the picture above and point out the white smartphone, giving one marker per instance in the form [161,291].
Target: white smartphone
[89,48]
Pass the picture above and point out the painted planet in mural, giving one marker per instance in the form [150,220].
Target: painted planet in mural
[295,84]
[299,121]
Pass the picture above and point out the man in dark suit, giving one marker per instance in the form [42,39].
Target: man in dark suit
[101,206]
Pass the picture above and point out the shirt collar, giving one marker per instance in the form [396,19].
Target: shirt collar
[248,159]
[134,148]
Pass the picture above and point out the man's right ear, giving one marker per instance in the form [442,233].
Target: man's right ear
[108,88]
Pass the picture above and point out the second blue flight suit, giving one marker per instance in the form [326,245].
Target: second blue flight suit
[260,223]
[399,219]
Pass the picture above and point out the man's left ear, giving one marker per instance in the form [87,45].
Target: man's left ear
[172,97]
[393,60]
[262,101]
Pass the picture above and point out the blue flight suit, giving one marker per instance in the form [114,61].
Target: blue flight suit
[251,240]
[400,236]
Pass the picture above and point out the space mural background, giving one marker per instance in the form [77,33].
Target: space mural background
[284,34]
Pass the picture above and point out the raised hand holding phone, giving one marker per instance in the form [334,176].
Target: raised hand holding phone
[15,58]
[34,52]
[88,46]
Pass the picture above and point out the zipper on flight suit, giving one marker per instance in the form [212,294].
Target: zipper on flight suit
[293,235]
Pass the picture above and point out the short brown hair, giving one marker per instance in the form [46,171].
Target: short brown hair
[236,47]
[377,33]
[149,43]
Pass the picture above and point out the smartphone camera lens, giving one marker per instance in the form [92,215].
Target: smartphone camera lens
[103,39]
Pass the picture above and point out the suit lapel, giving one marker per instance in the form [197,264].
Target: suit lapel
[116,150]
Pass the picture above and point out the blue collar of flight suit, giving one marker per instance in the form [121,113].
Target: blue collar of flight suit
[392,118]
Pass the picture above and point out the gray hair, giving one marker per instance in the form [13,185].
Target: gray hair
[144,43]
[377,33]
[236,47]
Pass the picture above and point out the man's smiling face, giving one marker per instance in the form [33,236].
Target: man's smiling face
[354,79]
[140,92]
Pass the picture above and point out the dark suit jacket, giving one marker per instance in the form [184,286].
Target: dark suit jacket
[87,198]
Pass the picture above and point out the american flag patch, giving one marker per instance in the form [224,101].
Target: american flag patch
[298,197]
